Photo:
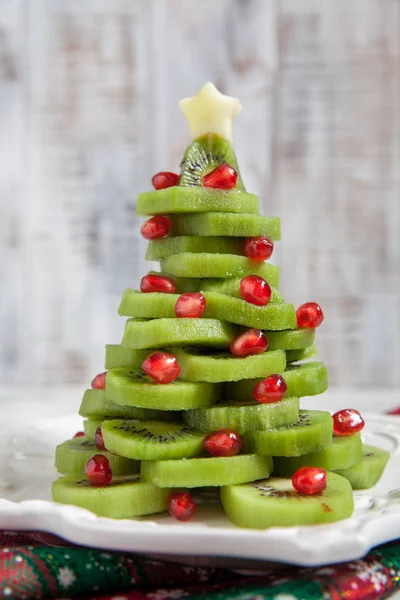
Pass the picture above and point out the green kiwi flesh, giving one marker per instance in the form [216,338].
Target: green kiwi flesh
[95,405]
[368,472]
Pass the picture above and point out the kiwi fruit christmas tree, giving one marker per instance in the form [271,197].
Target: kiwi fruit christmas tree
[204,389]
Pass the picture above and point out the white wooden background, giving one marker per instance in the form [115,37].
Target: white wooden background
[88,112]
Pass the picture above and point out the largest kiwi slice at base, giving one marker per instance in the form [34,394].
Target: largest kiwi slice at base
[95,405]
[209,471]
[151,440]
[368,472]
[275,503]
[123,498]
[244,417]
[133,388]
[226,224]
[178,199]
[312,433]
[72,456]
[342,453]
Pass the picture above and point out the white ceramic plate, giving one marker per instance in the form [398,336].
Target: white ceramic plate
[25,504]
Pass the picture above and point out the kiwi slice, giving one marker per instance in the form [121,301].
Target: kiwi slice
[205,264]
[198,365]
[298,355]
[90,426]
[132,388]
[231,287]
[157,249]
[368,472]
[307,379]
[153,305]
[123,498]
[312,433]
[245,416]
[159,333]
[151,440]
[272,316]
[208,471]
[117,356]
[95,405]
[203,155]
[295,339]
[342,453]
[72,456]
[226,224]
[178,199]
[275,503]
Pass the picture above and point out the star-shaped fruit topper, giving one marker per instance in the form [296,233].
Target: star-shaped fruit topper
[210,112]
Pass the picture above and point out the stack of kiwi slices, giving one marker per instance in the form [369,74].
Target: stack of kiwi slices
[203,392]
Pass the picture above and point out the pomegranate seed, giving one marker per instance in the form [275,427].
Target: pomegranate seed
[155,228]
[223,177]
[165,179]
[157,283]
[98,439]
[99,382]
[259,248]
[181,506]
[98,470]
[394,411]
[271,389]
[309,480]
[161,367]
[190,305]
[255,290]
[224,442]
[249,342]
[347,422]
[79,434]
[309,315]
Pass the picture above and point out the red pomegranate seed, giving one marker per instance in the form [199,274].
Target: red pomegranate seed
[181,506]
[249,342]
[223,177]
[271,389]
[255,290]
[190,305]
[98,470]
[309,480]
[157,283]
[394,411]
[165,179]
[161,367]
[347,422]
[155,228]
[79,434]
[258,248]
[99,382]
[309,315]
[98,439]
[224,442]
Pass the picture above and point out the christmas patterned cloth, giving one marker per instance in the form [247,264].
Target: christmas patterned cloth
[35,565]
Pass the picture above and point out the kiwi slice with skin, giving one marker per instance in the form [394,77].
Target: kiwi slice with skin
[209,471]
[298,355]
[312,433]
[271,316]
[72,456]
[205,264]
[123,498]
[295,339]
[342,453]
[178,199]
[369,470]
[95,405]
[244,417]
[275,503]
[159,333]
[205,154]
[225,224]
[197,364]
[132,388]
[151,440]
[231,287]
[117,356]
[168,246]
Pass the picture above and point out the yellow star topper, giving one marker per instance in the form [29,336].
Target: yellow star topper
[210,112]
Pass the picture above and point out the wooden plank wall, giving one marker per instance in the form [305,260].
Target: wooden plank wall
[88,112]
